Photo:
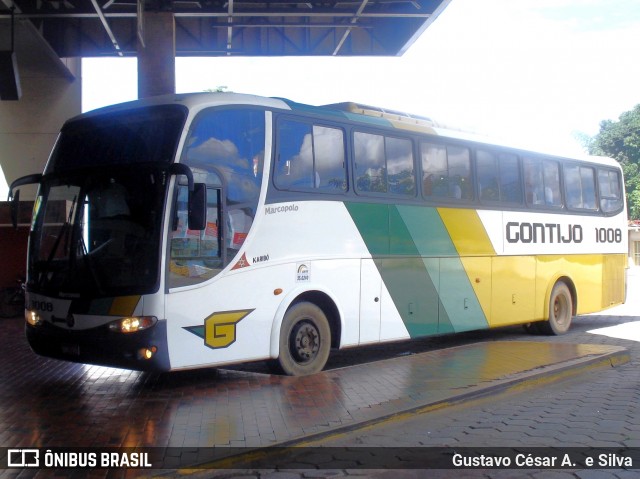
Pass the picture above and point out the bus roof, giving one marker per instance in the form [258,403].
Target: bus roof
[351,111]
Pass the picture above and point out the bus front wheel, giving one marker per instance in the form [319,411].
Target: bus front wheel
[560,311]
[305,340]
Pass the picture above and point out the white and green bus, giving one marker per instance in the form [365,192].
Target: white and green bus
[209,229]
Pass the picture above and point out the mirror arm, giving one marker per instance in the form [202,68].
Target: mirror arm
[182,169]
[25,180]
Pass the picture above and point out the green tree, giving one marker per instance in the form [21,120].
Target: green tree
[621,140]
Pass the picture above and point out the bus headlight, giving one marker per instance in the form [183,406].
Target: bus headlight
[32,317]
[133,324]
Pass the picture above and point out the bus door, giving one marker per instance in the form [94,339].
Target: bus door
[370,302]
[194,258]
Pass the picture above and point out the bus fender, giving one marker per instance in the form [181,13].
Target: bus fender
[287,301]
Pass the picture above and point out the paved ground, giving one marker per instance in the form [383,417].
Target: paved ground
[46,403]
[597,408]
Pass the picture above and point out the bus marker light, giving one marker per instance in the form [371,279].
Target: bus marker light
[277,291]
[147,353]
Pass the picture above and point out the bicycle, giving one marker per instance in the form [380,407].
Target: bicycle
[12,300]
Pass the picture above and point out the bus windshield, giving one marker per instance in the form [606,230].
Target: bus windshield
[97,234]
[97,220]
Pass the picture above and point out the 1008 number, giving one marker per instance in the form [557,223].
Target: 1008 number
[608,235]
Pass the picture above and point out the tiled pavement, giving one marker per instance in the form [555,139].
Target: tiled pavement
[46,403]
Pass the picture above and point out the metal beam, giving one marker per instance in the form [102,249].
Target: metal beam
[354,20]
[343,26]
[44,16]
[230,25]
[106,27]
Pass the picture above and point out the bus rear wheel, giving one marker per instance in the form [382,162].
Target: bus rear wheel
[560,311]
[305,340]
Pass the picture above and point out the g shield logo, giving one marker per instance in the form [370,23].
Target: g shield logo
[220,328]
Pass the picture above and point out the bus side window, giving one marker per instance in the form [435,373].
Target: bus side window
[384,164]
[294,168]
[510,178]
[580,187]
[610,191]
[370,163]
[542,182]
[487,167]
[460,186]
[587,176]
[329,154]
[533,183]
[310,157]
[551,171]
[400,169]
[446,172]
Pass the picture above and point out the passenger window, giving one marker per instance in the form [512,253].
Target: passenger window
[510,179]
[400,172]
[580,187]
[310,157]
[542,182]
[384,164]
[295,156]
[487,171]
[328,147]
[446,172]
[610,191]
[371,172]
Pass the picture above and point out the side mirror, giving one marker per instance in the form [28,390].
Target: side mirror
[197,218]
[198,207]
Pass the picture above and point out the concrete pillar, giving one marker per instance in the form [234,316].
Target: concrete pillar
[157,57]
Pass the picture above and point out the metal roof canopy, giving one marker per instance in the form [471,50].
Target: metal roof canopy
[81,28]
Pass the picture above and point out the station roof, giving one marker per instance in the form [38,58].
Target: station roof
[98,28]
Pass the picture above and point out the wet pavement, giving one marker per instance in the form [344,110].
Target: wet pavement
[47,403]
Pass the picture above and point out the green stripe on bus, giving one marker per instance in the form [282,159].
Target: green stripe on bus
[427,230]
[420,267]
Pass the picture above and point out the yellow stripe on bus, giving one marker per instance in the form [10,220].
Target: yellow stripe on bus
[466,231]
[124,305]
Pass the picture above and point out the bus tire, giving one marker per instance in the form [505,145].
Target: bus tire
[560,311]
[305,340]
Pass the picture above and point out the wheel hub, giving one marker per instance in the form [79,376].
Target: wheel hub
[560,310]
[306,341]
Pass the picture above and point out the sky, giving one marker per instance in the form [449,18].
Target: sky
[532,73]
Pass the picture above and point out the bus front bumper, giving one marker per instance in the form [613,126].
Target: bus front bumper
[144,350]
